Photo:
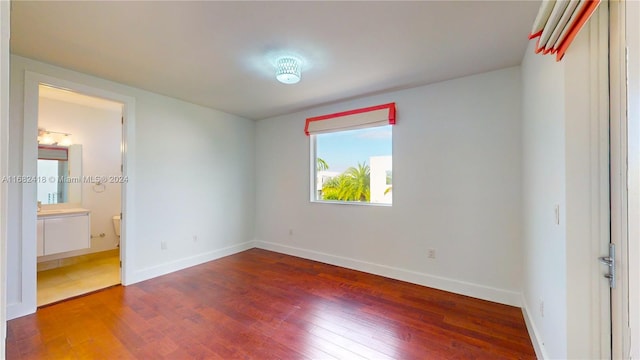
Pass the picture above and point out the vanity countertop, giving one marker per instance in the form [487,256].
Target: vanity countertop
[57,212]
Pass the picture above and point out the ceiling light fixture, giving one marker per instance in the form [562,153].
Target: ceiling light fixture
[288,70]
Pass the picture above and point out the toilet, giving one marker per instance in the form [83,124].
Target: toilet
[116,226]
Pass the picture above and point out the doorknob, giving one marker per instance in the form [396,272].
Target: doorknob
[607,260]
[610,261]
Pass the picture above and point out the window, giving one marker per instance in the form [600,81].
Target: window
[351,154]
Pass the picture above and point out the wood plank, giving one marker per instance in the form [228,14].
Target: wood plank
[261,305]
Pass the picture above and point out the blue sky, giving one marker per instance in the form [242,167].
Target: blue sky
[344,149]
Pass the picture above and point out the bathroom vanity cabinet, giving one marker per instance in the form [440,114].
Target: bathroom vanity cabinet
[62,231]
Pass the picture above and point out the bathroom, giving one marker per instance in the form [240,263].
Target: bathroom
[80,147]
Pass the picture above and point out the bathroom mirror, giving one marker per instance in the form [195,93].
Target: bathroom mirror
[59,174]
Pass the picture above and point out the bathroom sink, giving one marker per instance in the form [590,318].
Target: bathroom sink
[62,211]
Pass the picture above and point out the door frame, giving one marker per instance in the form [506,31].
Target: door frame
[32,80]
[625,175]
[632,24]
[4,162]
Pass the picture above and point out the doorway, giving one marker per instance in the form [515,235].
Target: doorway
[27,259]
[79,191]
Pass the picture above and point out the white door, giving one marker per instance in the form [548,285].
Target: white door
[633,112]
[625,176]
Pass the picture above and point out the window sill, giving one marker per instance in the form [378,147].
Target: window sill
[356,203]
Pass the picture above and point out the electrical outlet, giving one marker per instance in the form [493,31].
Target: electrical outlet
[163,245]
[195,238]
[290,232]
[541,306]
[431,253]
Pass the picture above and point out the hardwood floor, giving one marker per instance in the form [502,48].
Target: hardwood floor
[264,305]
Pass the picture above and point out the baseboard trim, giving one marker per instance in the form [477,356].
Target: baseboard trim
[20,309]
[456,286]
[533,332]
[176,265]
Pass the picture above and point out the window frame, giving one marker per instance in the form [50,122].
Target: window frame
[313,176]
[362,118]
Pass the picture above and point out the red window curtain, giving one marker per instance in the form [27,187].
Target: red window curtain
[378,115]
[558,22]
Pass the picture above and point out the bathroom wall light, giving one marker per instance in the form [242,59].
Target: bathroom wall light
[288,69]
[66,140]
[48,137]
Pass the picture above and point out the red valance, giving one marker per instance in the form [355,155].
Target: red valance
[378,115]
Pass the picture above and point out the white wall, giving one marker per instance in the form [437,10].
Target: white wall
[587,186]
[543,187]
[194,170]
[565,163]
[99,131]
[456,189]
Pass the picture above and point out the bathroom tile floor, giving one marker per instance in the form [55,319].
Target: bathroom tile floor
[77,279]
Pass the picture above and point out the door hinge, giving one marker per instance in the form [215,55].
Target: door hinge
[610,261]
[121,264]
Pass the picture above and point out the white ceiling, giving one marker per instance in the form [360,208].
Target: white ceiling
[219,54]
